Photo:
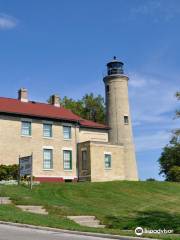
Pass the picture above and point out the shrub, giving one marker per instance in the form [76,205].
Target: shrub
[9,172]
[150,179]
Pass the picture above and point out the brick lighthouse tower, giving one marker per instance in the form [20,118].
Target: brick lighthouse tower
[118,114]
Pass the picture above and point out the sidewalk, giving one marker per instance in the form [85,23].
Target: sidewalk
[74,232]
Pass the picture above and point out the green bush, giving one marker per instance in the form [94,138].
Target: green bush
[150,179]
[9,172]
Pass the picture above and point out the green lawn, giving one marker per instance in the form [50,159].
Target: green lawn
[121,205]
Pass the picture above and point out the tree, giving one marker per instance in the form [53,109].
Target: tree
[170,161]
[90,107]
[170,157]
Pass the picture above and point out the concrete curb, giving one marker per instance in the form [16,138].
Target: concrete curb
[102,235]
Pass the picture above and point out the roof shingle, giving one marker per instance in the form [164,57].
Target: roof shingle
[44,110]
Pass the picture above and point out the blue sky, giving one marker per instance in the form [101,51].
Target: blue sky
[62,47]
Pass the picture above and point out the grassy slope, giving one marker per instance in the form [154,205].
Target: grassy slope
[120,205]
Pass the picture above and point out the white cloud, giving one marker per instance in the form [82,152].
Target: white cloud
[138,81]
[152,141]
[7,22]
[152,99]
[153,105]
[158,10]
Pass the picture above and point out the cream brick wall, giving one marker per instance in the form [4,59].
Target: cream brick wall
[86,134]
[12,144]
[96,166]
[98,171]
[117,103]
[131,172]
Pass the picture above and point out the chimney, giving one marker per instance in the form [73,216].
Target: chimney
[55,100]
[23,95]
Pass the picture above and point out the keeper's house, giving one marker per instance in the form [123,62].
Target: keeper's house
[66,147]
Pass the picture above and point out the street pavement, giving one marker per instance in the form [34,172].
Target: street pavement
[20,233]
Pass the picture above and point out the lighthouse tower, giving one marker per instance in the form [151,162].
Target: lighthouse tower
[118,114]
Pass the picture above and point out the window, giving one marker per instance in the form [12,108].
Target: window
[107,160]
[47,159]
[26,128]
[107,88]
[84,160]
[67,132]
[126,120]
[47,130]
[67,158]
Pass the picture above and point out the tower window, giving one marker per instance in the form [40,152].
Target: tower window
[107,88]
[126,120]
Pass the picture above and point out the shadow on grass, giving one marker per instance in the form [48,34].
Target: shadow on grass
[145,219]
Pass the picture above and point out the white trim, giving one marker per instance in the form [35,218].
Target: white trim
[26,120]
[69,177]
[29,136]
[67,148]
[109,153]
[48,169]
[48,147]
[49,138]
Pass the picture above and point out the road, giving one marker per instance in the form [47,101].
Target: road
[21,233]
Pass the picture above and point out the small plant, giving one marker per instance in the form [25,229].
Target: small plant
[8,172]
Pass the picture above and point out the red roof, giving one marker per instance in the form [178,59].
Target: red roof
[44,110]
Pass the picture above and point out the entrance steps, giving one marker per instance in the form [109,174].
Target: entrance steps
[88,221]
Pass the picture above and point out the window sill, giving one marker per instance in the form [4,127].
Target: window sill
[50,138]
[108,169]
[68,139]
[51,169]
[29,136]
[67,170]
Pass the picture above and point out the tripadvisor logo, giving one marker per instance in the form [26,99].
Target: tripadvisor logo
[139,231]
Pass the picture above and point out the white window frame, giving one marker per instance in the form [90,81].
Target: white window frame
[27,120]
[70,150]
[50,124]
[51,163]
[110,154]
[70,127]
